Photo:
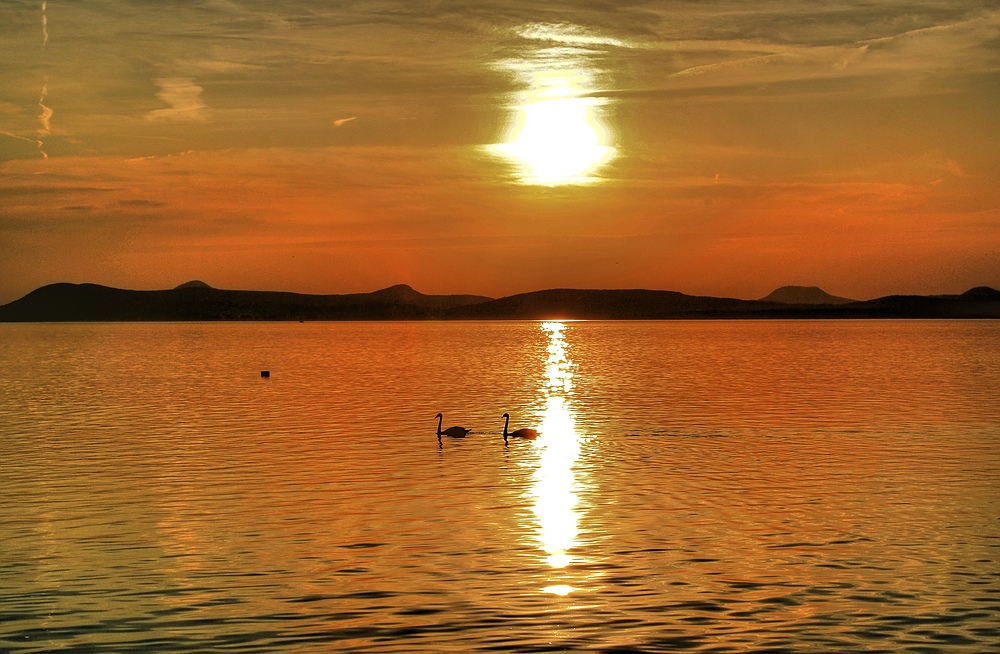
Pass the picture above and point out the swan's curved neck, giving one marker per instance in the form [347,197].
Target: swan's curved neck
[440,420]
[506,421]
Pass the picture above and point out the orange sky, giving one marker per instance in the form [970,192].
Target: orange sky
[496,147]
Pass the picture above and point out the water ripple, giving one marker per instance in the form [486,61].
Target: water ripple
[737,487]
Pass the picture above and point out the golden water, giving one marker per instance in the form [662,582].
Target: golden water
[698,486]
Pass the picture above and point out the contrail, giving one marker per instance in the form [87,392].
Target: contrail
[20,138]
[46,116]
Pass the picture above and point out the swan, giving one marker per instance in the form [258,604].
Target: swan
[454,432]
[525,432]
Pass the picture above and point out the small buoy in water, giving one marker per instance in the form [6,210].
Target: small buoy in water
[265,373]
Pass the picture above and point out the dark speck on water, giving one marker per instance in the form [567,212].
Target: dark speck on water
[696,486]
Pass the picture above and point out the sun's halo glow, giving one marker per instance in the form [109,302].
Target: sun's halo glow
[558,141]
[559,133]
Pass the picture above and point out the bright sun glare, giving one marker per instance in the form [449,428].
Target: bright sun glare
[554,489]
[558,135]
[558,141]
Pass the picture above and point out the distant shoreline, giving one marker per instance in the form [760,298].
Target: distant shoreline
[196,301]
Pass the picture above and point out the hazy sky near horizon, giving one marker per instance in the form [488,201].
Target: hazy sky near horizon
[495,147]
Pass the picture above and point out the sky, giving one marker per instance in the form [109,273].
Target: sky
[497,147]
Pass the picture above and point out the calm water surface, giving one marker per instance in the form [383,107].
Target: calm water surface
[698,486]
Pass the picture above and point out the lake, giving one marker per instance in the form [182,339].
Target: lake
[731,486]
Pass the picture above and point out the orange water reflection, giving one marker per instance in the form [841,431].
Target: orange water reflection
[758,485]
[555,502]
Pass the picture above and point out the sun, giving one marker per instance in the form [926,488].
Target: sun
[558,141]
[559,134]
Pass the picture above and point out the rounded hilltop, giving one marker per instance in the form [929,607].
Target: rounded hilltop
[982,293]
[194,283]
[804,295]
[399,293]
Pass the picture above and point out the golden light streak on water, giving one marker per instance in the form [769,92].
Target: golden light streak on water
[553,491]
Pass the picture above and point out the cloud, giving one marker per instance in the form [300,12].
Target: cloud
[219,66]
[568,34]
[951,167]
[341,121]
[872,52]
[733,64]
[140,203]
[184,98]
[20,138]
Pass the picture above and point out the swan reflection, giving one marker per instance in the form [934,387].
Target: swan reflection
[527,433]
[553,491]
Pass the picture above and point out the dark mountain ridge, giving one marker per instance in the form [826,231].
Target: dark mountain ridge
[635,304]
[640,304]
[199,301]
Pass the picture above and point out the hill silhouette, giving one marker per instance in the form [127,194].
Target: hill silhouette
[804,295]
[198,301]
[636,304]
[982,293]
[195,283]
[639,304]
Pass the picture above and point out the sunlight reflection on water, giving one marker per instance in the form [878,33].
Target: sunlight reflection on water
[555,499]
[706,486]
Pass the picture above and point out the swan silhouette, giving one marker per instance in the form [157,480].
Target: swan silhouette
[525,432]
[453,432]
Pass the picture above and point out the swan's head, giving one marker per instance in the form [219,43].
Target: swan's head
[439,416]
[506,415]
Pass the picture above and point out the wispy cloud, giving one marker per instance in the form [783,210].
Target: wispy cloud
[567,34]
[45,25]
[949,50]
[45,118]
[184,98]
[21,138]
[342,121]
[140,203]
